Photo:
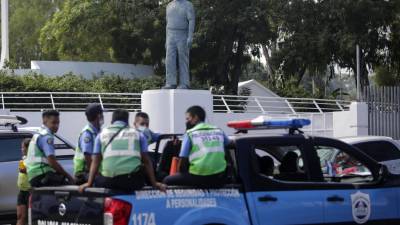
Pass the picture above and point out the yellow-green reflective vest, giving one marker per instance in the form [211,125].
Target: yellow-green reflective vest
[122,155]
[36,160]
[23,182]
[207,156]
[79,157]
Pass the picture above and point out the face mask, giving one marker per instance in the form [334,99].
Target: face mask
[142,128]
[189,125]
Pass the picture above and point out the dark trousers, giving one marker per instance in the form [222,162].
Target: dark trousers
[49,179]
[126,182]
[187,179]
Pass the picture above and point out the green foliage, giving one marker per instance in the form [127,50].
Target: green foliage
[288,88]
[385,77]
[27,17]
[71,83]
[298,37]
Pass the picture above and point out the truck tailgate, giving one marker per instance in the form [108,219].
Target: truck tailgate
[65,205]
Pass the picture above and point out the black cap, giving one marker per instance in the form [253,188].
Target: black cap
[93,109]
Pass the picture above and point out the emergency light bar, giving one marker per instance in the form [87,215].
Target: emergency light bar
[269,123]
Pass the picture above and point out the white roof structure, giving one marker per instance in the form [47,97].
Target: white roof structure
[256,88]
[271,102]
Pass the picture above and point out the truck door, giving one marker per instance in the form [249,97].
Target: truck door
[368,201]
[277,181]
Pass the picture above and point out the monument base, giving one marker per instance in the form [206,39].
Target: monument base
[166,108]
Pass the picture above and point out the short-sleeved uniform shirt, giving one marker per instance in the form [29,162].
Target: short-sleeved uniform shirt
[187,145]
[46,144]
[86,140]
[97,142]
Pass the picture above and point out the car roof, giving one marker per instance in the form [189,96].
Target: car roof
[20,130]
[362,139]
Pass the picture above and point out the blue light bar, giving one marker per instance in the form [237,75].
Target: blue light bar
[263,122]
[290,123]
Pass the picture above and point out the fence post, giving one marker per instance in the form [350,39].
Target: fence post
[52,100]
[291,107]
[226,105]
[2,101]
[259,105]
[101,101]
[339,105]
[316,105]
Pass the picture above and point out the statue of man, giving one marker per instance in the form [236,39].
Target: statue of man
[180,28]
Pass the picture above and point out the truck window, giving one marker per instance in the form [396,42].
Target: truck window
[10,149]
[380,150]
[338,166]
[282,163]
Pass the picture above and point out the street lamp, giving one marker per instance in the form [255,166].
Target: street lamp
[5,50]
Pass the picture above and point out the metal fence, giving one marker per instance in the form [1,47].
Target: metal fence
[276,105]
[384,110]
[77,101]
[67,101]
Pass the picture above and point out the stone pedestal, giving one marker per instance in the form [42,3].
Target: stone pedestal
[167,108]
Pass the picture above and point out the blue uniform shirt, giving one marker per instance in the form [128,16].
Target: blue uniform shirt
[97,142]
[46,143]
[86,140]
[187,145]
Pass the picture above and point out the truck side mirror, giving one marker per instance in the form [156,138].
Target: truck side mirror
[383,173]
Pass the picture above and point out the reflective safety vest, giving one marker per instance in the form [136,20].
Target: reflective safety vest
[36,160]
[207,156]
[122,155]
[23,182]
[79,157]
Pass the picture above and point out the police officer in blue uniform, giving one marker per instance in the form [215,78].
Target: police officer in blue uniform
[203,149]
[141,123]
[84,149]
[120,158]
[43,168]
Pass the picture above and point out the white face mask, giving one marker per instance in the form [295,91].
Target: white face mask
[142,128]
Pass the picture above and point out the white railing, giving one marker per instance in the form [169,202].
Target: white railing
[77,101]
[276,105]
[68,101]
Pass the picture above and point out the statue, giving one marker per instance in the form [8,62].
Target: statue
[180,27]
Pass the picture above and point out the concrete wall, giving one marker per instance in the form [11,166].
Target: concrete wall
[71,123]
[87,69]
[353,122]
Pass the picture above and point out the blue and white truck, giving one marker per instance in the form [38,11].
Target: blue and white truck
[273,179]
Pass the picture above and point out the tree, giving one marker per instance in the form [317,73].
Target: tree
[81,30]
[134,32]
[27,17]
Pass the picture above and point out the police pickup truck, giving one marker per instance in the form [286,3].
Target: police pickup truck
[276,179]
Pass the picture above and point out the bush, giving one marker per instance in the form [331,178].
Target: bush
[72,83]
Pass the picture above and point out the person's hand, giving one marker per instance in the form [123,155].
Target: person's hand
[160,186]
[83,187]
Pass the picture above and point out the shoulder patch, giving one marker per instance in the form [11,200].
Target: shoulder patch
[87,139]
[50,141]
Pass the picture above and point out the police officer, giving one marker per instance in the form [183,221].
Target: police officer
[141,123]
[84,149]
[203,148]
[42,166]
[121,154]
